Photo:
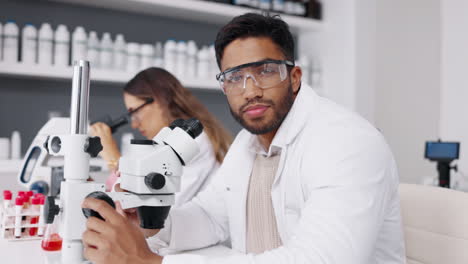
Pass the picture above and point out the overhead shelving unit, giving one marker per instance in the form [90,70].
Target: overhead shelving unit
[194,10]
[191,10]
[103,76]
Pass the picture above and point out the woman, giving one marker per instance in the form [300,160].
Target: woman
[160,99]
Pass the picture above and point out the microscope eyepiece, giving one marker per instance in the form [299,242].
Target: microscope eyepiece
[193,127]
[177,123]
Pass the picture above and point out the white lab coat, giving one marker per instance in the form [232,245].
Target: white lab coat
[335,194]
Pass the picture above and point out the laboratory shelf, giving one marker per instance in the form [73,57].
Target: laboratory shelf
[98,75]
[195,10]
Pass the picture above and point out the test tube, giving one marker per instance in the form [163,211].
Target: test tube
[40,230]
[18,209]
[27,200]
[35,201]
[7,196]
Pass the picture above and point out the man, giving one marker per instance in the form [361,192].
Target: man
[306,181]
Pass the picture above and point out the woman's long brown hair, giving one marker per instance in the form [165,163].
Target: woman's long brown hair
[180,103]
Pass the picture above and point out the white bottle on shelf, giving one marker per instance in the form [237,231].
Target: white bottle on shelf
[264,4]
[79,44]
[106,51]
[45,45]
[15,145]
[289,7]
[158,55]
[191,60]
[93,50]
[133,57]
[1,42]
[120,53]
[53,114]
[203,63]
[181,59]
[62,46]
[10,42]
[299,8]
[170,56]
[29,44]
[213,66]
[147,54]
[277,5]
[4,148]
[254,3]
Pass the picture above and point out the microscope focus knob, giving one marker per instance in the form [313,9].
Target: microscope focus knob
[94,146]
[50,210]
[155,181]
[100,196]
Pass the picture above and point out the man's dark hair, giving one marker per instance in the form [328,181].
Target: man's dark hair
[256,25]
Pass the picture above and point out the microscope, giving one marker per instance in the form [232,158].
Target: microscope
[443,153]
[42,172]
[151,171]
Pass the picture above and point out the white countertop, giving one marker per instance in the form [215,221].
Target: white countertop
[19,252]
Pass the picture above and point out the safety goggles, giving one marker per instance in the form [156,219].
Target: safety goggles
[133,114]
[265,74]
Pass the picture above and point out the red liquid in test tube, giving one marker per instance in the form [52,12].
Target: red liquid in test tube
[35,219]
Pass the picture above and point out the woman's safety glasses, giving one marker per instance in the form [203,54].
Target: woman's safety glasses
[133,113]
[265,74]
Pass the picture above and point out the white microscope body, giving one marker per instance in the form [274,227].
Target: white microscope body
[150,172]
[42,172]
[76,148]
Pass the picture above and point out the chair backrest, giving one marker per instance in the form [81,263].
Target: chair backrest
[435,224]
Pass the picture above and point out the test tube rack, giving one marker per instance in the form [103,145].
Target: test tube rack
[29,231]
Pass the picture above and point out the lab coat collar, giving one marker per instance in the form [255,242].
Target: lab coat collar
[292,124]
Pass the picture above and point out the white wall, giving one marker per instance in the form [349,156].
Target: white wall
[454,90]
[408,80]
[338,52]
[348,53]
[366,32]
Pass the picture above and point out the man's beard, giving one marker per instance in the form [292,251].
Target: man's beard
[280,112]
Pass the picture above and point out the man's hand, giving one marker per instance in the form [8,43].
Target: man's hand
[110,152]
[115,240]
[132,216]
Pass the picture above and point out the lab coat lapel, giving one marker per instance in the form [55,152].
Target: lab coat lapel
[290,128]
[293,125]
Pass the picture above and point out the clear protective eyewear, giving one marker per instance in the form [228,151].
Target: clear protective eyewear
[133,113]
[265,74]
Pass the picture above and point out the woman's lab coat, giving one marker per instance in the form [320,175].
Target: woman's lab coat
[335,194]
